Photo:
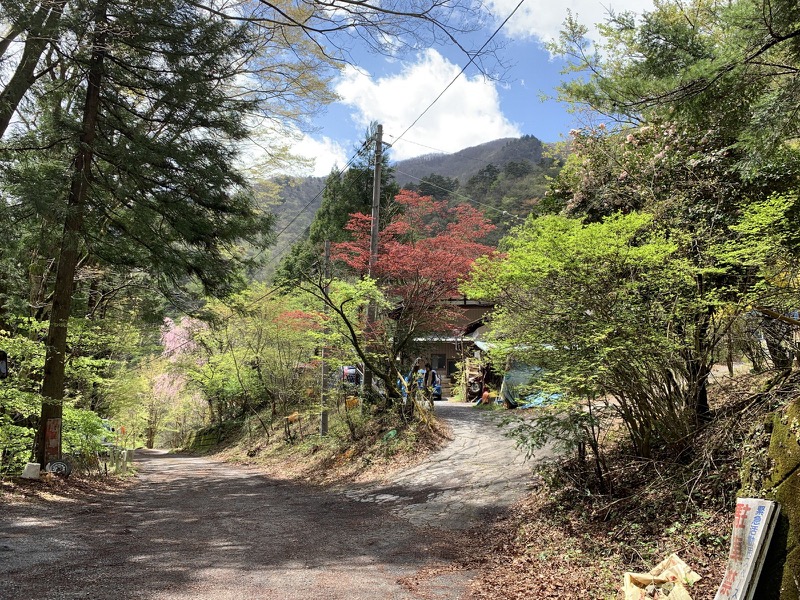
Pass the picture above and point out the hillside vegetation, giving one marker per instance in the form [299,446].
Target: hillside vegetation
[507,178]
[629,275]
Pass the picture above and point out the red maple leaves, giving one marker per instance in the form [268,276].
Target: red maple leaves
[423,253]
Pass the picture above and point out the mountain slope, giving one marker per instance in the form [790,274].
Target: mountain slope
[464,164]
[295,201]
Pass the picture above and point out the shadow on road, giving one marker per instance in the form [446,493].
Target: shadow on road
[196,528]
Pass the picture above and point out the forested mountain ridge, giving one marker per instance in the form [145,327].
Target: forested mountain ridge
[506,177]
[466,163]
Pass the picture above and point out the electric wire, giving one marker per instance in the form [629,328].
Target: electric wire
[297,237]
[400,137]
[460,73]
[306,206]
[322,191]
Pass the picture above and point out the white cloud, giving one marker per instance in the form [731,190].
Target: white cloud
[543,18]
[466,115]
[265,155]
[325,154]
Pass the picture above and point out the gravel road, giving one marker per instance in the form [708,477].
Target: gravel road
[195,528]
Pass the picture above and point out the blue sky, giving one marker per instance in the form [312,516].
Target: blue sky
[474,110]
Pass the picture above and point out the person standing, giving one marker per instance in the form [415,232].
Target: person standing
[435,383]
[420,375]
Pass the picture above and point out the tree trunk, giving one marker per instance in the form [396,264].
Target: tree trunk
[778,337]
[43,25]
[698,367]
[55,357]
[697,371]
[698,382]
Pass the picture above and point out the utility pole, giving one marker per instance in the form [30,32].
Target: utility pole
[373,239]
[323,420]
[376,201]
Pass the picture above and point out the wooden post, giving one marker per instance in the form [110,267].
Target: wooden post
[323,424]
[373,240]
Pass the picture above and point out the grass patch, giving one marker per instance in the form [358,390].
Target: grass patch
[363,443]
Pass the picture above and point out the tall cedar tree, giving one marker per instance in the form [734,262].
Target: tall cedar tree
[152,183]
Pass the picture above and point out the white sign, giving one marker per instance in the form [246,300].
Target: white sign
[753,524]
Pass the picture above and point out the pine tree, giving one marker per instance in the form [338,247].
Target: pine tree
[153,185]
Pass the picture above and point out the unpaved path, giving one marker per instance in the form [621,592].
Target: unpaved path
[195,528]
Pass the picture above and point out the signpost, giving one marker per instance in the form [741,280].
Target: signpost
[52,440]
[753,523]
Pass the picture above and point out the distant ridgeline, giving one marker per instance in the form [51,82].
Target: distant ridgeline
[467,163]
[506,178]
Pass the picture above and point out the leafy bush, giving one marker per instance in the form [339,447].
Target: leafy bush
[15,445]
[82,431]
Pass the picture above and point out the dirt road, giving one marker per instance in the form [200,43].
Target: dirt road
[195,528]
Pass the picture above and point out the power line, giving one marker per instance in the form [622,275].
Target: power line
[461,72]
[438,150]
[400,137]
[322,191]
[313,199]
[297,237]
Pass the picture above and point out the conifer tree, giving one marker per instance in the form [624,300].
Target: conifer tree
[150,155]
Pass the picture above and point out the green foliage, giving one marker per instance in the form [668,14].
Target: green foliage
[516,191]
[692,176]
[438,187]
[97,354]
[18,400]
[634,306]
[726,66]
[130,388]
[251,356]
[15,445]
[165,199]
[605,309]
[128,121]
[765,237]
[82,431]
[563,424]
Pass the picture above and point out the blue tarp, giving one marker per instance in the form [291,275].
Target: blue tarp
[518,378]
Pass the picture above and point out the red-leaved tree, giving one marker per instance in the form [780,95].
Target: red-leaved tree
[423,253]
